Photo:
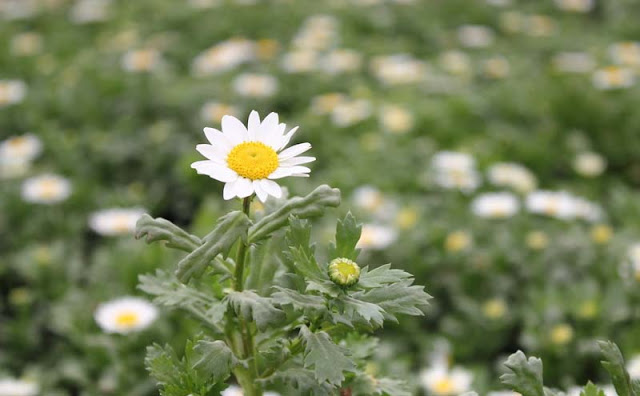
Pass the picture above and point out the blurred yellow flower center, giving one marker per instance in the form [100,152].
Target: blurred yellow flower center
[253,160]
[494,309]
[561,334]
[49,188]
[443,386]
[127,319]
[601,233]
[457,241]
[16,142]
[121,224]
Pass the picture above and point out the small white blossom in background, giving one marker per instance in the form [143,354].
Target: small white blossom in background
[18,9]
[503,393]
[46,189]
[204,4]
[396,119]
[249,159]
[214,111]
[633,256]
[589,164]
[326,103]
[499,3]
[224,56]
[234,390]
[625,53]
[613,77]
[398,69]
[496,67]
[26,44]
[440,380]
[255,85]
[115,221]
[575,5]
[300,61]
[351,112]
[12,92]
[495,205]
[373,201]
[375,236]
[562,205]
[539,26]
[17,387]
[24,148]
[318,32]
[573,62]
[633,367]
[125,315]
[608,390]
[141,60]
[512,21]
[341,60]
[454,170]
[512,175]
[475,36]
[455,62]
[89,11]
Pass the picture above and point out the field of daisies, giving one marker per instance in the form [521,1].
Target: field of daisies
[489,147]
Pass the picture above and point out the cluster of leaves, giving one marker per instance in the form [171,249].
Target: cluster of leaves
[307,334]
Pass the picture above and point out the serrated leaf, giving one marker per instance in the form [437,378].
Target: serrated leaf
[398,298]
[592,390]
[162,364]
[371,313]
[228,230]
[381,276]
[160,229]
[392,387]
[614,363]
[307,303]
[263,268]
[525,376]
[213,358]
[347,236]
[303,381]
[255,308]
[327,359]
[300,257]
[311,205]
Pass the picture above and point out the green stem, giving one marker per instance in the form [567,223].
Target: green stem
[242,251]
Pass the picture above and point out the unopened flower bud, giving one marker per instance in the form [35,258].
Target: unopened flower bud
[344,272]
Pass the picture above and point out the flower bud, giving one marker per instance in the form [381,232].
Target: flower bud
[344,272]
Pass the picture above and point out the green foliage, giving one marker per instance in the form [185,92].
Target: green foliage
[255,308]
[328,360]
[525,376]
[347,236]
[614,363]
[213,358]
[591,390]
[160,229]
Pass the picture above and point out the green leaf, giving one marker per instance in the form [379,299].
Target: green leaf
[213,358]
[228,230]
[161,362]
[263,268]
[159,229]
[309,304]
[614,363]
[303,382]
[300,257]
[347,236]
[525,376]
[312,205]
[391,387]
[397,298]
[255,308]
[591,390]
[371,313]
[381,276]
[327,359]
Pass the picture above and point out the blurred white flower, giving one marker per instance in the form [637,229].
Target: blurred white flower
[375,236]
[17,387]
[589,164]
[318,32]
[88,11]
[398,69]
[26,44]
[512,175]
[224,56]
[496,67]
[341,60]
[351,112]
[255,85]
[142,60]
[575,5]
[626,53]
[115,221]
[633,255]
[633,367]
[18,9]
[214,111]
[499,3]
[23,149]
[125,315]
[495,205]
[235,390]
[562,205]
[249,159]
[300,61]
[46,189]
[455,170]
[368,198]
[440,380]
[503,393]
[396,119]
[613,77]
[608,390]
[512,21]
[475,36]
[12,92]
[326,103]
[455,62]
[573,62]
[539,26]
[204,4]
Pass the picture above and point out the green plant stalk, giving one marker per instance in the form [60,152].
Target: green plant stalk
[246,377]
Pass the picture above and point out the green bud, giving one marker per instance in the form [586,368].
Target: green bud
[344,272]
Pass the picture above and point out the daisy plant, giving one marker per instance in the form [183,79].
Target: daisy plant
[275,314]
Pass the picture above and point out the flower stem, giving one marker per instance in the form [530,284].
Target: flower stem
[242,251]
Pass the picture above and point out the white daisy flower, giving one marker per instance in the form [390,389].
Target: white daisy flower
[499,3]
[235,390]
[255,85]
[341,60]
[575,5]
[16,387]
[496,67]
[249,159]
[396,119]
[589,164]
[325,104]
[300,61]
[89,11]
[626,53]
[214,111]
[573,62]
[633,367]
[539,26]
[115,221]
[475,36]
[46,189]
[439,380]
[455,62]
[398,69]
[18,9]
[508,174]
[142,60]
[224,56]
[454,170]
[503,393]
[22,148]
[351,112]
[551,203]
[374,236]
[12,92]
[495,205]
[613,77]
[125,315]
[26,44]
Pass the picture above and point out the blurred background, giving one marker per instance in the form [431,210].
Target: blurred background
[491,147]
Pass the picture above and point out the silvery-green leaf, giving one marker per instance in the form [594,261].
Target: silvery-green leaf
[328,360]
[381,276]
[213,358]
[255,308]
[347,236]
[307,303]
[159,229]
[398,298]
[300,258]
[525,376]
[614,363]
[302,382]
[371,313]
[592,390]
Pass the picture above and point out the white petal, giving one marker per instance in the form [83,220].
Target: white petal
[243,187]
[234,130]
[271,187]
[213,154]
[270,122]
[217,138]
[293,151]
[253,126]
[297,161]
[215,171]
[262,195]
[287,138]
[289,171]
[229,191]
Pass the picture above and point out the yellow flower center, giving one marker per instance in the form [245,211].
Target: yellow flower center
[49,188]
[253,160]
[127,319]
[122,224]
[443,386]
[344,272]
